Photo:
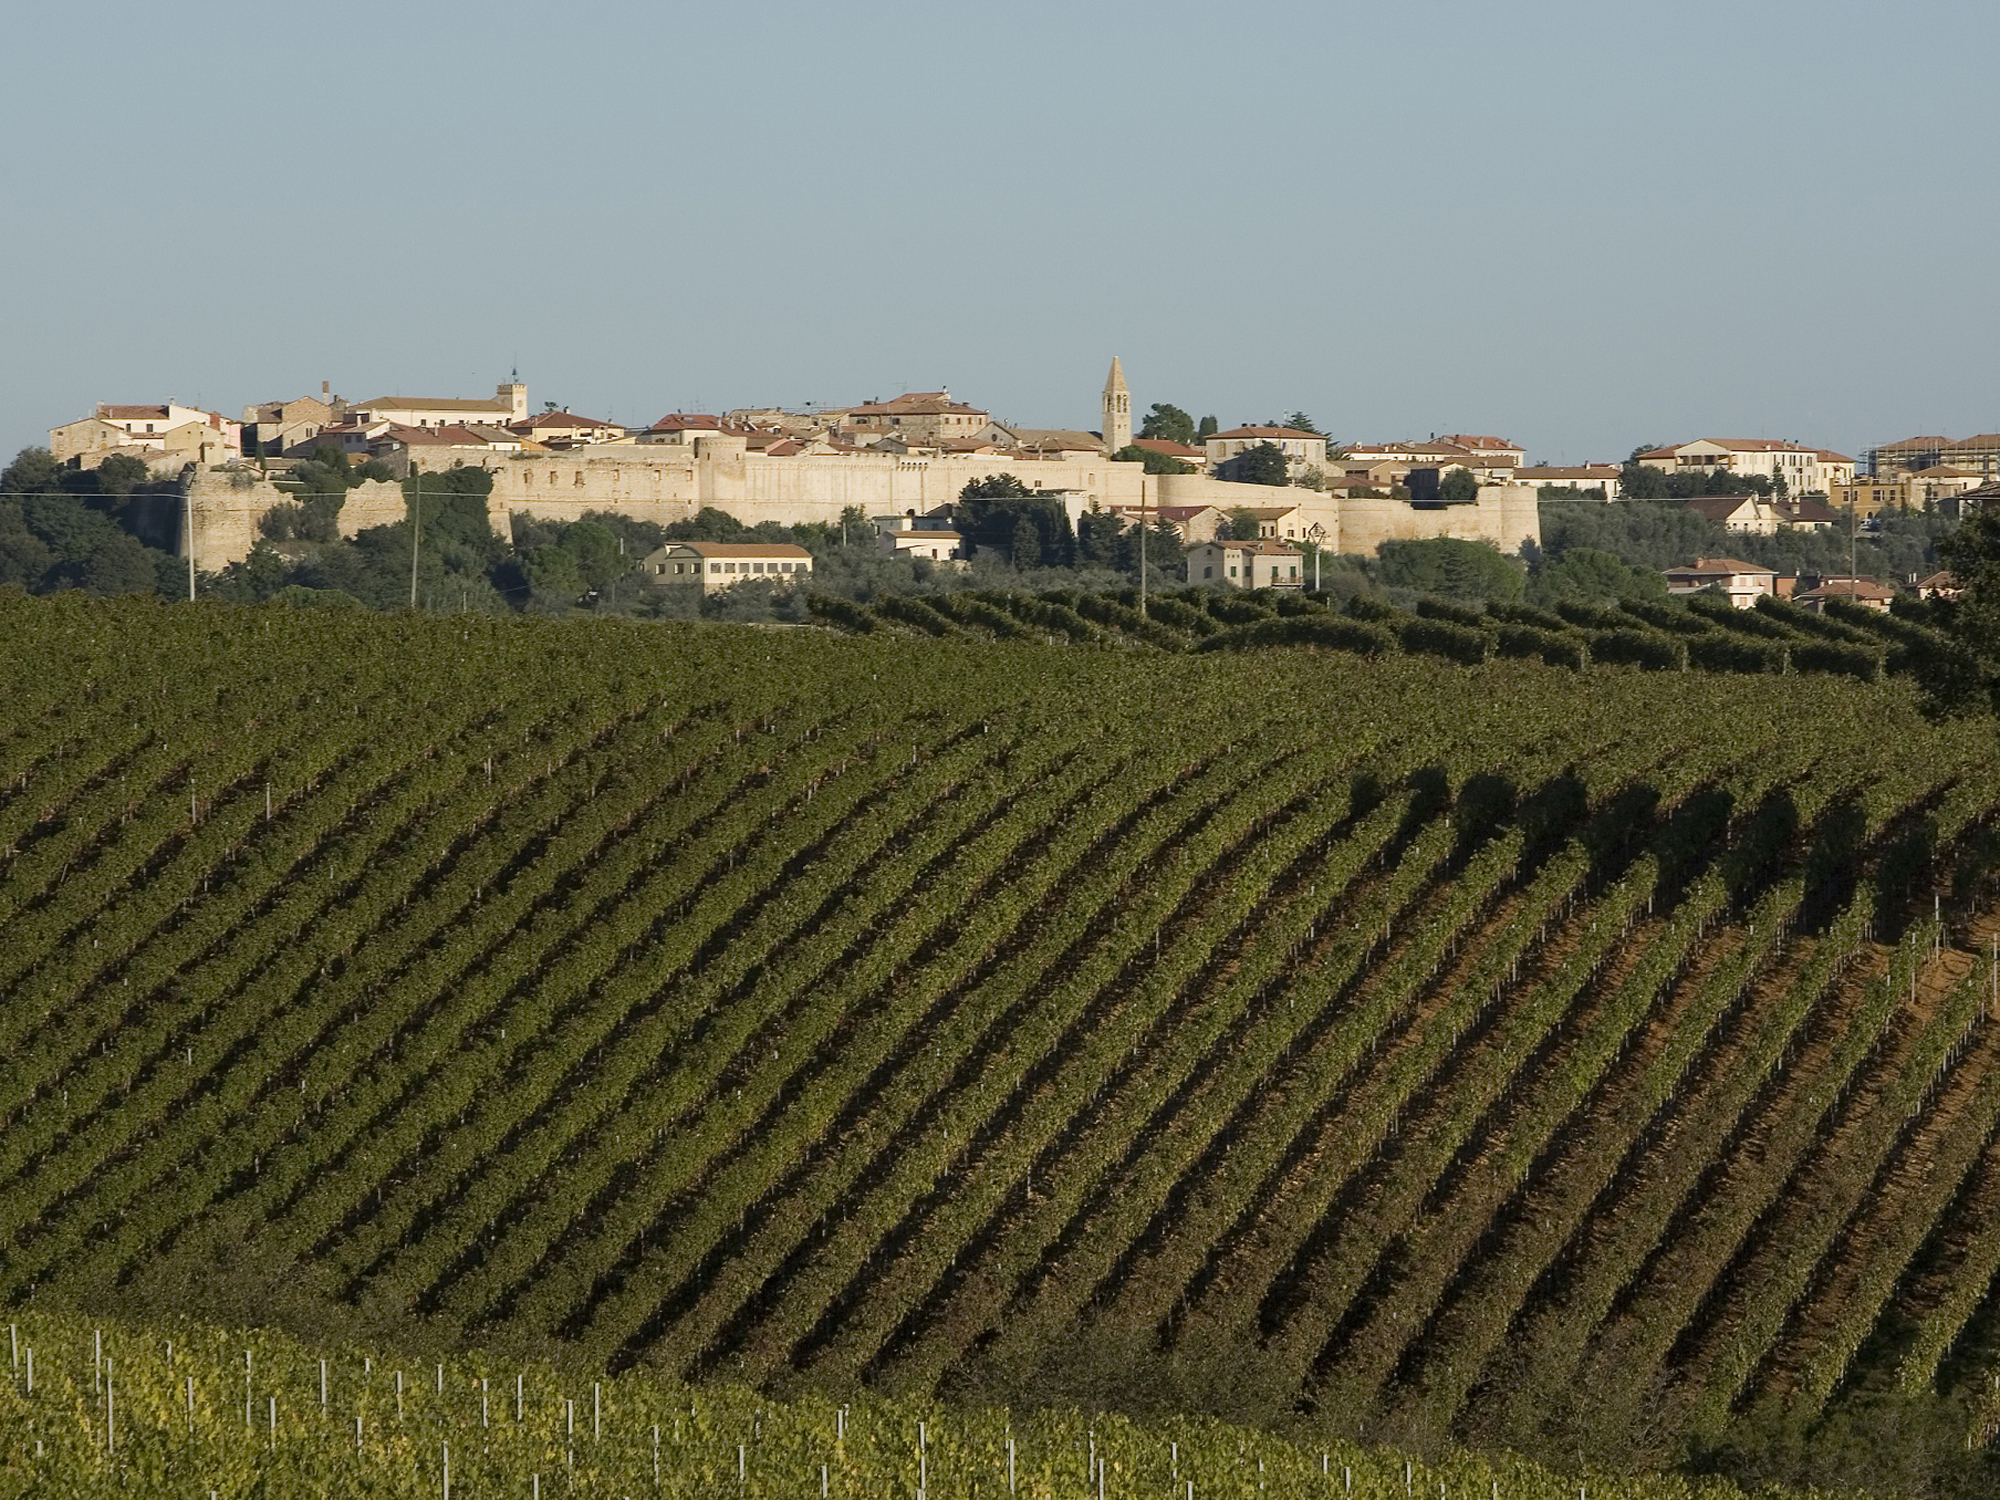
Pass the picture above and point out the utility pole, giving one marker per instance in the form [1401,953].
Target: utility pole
[416,531]
[1144,494]
[1852,507]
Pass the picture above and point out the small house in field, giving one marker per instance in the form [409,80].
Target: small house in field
[932,545]
[1262,564]
[1865,592]
[1751,513]
[1742,582]
[1937,586]
[720,565]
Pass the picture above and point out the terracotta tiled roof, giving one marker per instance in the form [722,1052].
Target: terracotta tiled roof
[916,404]
[1064,438]
[743,549]
[1723,565]
[1849,588]
[451,435]
[1264,547]
[560,419]
[1171,449]
[433,403]
[1719,507]
[1267,432]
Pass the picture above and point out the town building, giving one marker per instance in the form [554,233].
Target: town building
[928,416]
[165,436]
[937,546]
[1805,515]
[1937,488]
[1582,482]
[1802,471]
[1262,564]
[1979,454]
[1196,459]
[1940,585]
[1748,513]
[1302,450]
[565,429]
[274,428]
[792,473]
[508,404]
[1494,450]
[1191,523]
[1743,583]
[715,566]
[1050,442]
[1865,592]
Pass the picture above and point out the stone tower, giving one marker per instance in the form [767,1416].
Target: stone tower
[1117,410]
[515,395]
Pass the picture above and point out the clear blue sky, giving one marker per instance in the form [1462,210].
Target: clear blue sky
[1583,224]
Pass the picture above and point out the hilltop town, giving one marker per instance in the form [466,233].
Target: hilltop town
[1258,504]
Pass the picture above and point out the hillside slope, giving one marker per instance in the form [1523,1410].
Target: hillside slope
[1576,1061]
[159,1411]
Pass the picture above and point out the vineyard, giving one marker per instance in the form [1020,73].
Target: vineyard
[1698,634]
[1592,1064]
[168,1410]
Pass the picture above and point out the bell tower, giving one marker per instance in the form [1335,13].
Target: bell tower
[1117,410]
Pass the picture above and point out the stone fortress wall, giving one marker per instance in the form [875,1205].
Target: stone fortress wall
[664,483]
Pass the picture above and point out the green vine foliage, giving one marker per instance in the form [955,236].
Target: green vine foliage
[1567,1033]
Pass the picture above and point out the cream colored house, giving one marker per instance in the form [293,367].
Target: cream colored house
[1750,513]
[1579,482]
[931,546]
[509,404]
[1494,450]
[721,565]
[1275,523]
[1261,564]
[1744,583]
[1834,468]
[1302,450]
[1805,471]
[1192,523]
[681,428]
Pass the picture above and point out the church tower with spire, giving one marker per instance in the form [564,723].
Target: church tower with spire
[1117,410]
